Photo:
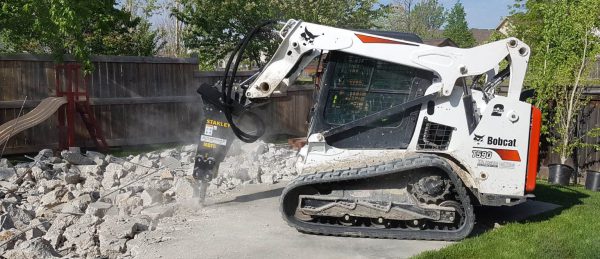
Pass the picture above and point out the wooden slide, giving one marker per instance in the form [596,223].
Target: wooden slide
[36,116]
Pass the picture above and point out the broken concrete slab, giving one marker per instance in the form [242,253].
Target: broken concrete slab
[67,197]
[92,183]
[39,174]
[135,245]
[189,148]
[53,197]
[34,233]
[72,177]
[6,235]
[81,235]
[6,222]
[122,197]
[56,230]
[42,211]
[77,205]
[123,227]
[269,178]
[97,157]
[44,155]
[94,154]
[168,196]
[131,206]
[170,162]
[135,159]
[19,216]
[4,163]
[61,167]
[127,203]
[187,158]
[34,248]
[233,182]
[166,174]
[76,158]
[114,232]
[110,179]
[41,224]
[159,212]
[145,163]
[231,169]
[158,184]
[44,186]
[186,189]
[8,200]
[114,168]
[151,197]
[134,188]
[114,171]
[254,149]
[112,159]
[89,170]
[168,152]
[98,209]
[129,167]
[7,174]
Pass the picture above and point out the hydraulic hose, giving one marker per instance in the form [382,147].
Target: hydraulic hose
[227,87]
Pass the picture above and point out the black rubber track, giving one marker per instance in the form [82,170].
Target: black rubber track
[289,201]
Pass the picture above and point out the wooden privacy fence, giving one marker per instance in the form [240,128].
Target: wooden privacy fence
[586,158]
[137,100]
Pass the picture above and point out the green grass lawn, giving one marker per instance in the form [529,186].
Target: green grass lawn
[572,231]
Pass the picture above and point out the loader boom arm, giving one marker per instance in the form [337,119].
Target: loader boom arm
[303,41]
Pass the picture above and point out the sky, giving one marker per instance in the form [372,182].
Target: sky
[481,14]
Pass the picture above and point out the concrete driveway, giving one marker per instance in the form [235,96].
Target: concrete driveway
[247,224]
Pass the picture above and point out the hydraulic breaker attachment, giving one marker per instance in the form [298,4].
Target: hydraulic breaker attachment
[220,108]
[214,140]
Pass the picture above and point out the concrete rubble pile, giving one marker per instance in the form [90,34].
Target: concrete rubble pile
[256,162]
[93,205]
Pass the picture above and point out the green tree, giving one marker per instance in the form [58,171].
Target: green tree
[457,28]
[79,28]
[564,41]
[424,18]
[213,27]
[427,18]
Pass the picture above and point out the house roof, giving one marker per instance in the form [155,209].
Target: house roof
[440,42]
[503,23]
[482,35]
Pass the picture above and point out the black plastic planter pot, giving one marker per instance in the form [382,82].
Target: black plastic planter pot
[560,174]
[592,181]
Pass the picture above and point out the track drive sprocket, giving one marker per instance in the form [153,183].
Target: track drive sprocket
[431,189]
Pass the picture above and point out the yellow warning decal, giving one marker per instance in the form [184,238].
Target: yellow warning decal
[209,145]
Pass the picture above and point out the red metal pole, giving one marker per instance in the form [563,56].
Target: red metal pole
[62,138]
[75,69]
[70,109]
